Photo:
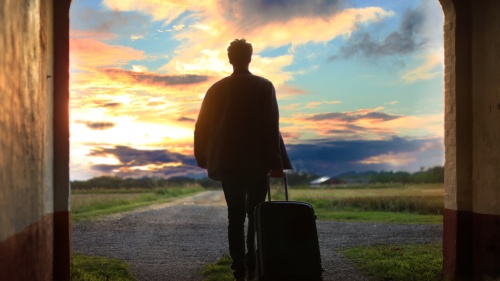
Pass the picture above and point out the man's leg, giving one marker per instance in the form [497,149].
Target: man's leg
[256,194]
[235,199]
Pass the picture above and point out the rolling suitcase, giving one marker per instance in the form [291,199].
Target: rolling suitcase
[287,241]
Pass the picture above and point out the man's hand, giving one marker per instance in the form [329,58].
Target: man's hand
[276,173]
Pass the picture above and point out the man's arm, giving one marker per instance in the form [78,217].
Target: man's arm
[201,133]
[270,124]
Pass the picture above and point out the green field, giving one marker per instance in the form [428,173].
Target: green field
[415,203]
[88,204]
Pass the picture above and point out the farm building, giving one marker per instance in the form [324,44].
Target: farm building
[327,181]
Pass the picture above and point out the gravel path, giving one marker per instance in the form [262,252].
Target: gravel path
[172,241]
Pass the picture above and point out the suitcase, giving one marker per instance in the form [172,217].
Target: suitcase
[287,241]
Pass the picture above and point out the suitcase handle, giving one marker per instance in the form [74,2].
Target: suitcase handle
[285,180]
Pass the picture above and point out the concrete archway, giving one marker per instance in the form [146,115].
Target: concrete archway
[471,238]
[34,78]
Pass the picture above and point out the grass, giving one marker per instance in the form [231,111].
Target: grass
[219,270]
[88,204]
[379,263]
[395,204]
[402,262]
[94,268]
[382,217]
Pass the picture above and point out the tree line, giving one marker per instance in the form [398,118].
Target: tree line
[429,175]
[144,182]
[295,178]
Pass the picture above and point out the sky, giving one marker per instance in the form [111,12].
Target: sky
[359,83]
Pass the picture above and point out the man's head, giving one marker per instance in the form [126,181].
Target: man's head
[239,52]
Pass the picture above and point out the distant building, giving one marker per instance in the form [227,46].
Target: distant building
[327,181]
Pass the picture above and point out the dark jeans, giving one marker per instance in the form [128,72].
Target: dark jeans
[243,193]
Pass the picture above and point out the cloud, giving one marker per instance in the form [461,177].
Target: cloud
[108,104]
[99,125]
[362,124]
[216,27]
[264,23]
[252,14]
[419,34]
[131,156]
[146,111]
[432,67]
[330,157]
[105,20]
[315,104]
[91,53]
[353,116]
[289,90]
[186,119]
[158,9]
[405,40]
[417,31]
[154,78]
[327,157]
[148,97]
[403,158]
[95,34]
[138,163]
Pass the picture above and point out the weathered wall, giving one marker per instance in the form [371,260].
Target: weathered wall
[486,137]
[457,221]
[471,238]
[26,150]
[486,107]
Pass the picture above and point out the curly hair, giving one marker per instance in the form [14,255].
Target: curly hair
[239,52]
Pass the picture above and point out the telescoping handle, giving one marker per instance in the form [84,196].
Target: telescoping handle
[285,181]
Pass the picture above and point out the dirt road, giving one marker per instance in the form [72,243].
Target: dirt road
[172,241]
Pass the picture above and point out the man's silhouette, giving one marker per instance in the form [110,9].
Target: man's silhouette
[237,139]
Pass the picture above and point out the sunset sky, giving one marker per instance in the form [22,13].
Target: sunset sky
[359,83]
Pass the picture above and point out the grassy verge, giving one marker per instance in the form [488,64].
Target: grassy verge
[395,263]
[395,204]
[379,263]
[219,270]
[90,204]
[93,268]
[382,217]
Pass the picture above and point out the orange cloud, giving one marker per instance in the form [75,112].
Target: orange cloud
[158,9]
[402,158]
[92,53]
[393,159]
[432,67]
[216,31]
[365,124]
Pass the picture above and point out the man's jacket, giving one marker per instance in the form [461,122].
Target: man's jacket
[238,127]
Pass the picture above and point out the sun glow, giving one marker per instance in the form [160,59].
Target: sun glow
[139,71]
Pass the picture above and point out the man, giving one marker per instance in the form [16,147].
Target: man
[237,139]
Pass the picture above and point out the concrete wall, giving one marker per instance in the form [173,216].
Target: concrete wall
[471,238]
[486,137]
[26,141]
[486,107]
[25,114]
